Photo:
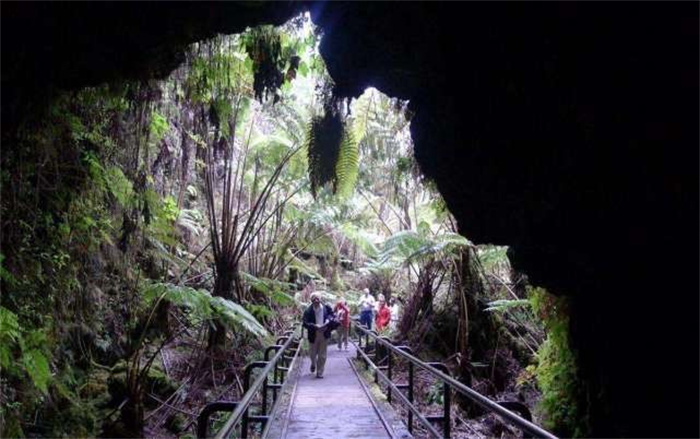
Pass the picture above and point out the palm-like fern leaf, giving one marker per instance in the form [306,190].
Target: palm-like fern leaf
[202,305]
[348,166]
[333,154]
[408,246]
[273,288]
[323,139]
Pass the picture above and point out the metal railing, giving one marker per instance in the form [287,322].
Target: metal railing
[383,351]
[286,349]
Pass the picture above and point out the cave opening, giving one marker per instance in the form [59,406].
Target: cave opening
[567,136]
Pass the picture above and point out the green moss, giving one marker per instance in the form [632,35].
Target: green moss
[556,371]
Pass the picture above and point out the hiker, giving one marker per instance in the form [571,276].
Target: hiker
[366,308]
[383,314]
[318,321]
[343,316]
[394,309]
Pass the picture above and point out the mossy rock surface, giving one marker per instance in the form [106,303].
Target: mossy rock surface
[157,383]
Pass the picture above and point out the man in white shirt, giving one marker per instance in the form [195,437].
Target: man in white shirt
[366,308]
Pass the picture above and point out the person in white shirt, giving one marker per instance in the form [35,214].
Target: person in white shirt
[366,308]
[393,324]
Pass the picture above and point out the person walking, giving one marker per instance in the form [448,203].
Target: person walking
[366,308]
[383,314]
[394,309]
[343,316]
[317,320]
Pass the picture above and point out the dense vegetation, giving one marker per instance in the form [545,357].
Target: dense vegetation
[155,234]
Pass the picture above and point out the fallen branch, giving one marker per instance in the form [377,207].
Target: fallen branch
[165,404]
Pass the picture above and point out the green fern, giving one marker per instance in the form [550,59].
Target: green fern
[5,275]
[191,219]
[202,305]
[362,238]
[37,366]
[348,166]
[9,336]
[158,126]
[409,246]
[273,288]
[301,266]
[323,138]
[234,315]
[120,186]
[505,304]
[33,348]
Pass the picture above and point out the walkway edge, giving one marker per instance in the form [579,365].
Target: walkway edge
[375,406]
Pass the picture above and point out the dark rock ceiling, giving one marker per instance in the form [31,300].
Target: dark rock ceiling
[568,131]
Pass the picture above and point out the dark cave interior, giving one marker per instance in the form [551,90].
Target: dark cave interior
[567,131]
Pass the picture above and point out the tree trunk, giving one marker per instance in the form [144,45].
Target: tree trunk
[132,415]
[224,286]
[477,331]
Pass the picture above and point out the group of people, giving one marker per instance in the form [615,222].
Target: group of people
[320,320]
[383,316]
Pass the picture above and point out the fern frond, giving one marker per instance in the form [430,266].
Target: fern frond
[201,304]
[234,315]
[191,219]
[302,267]
[323,138]
[348,166]
[364,240]
[505,304]
[271,287]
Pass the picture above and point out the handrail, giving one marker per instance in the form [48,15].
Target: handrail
[403,398]
[240,413]
[476,397]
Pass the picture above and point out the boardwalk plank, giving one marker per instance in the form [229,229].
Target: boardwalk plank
[334,406]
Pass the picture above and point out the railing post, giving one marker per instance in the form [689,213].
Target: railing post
[410,396]
[275,348]
[366,350]
[446,399]
[248,372]
[410,386]
[390,363]
[212,407]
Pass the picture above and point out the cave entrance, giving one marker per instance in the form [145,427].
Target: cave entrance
[217,199]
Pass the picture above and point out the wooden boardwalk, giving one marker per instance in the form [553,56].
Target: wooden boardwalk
[335,406]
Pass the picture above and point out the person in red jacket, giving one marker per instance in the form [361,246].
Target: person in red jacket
[343,315]
[383,315]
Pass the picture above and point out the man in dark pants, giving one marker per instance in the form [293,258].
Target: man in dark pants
[318,321]
[366,308]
